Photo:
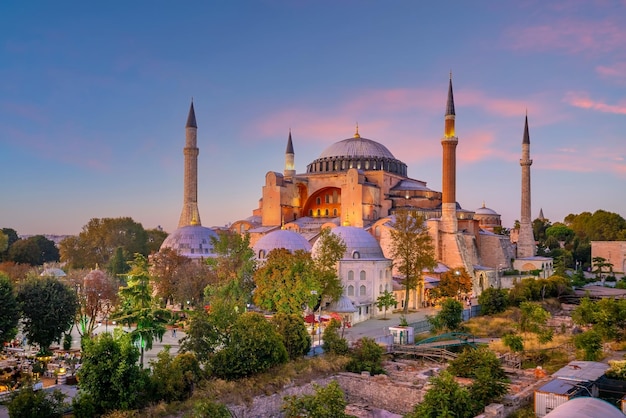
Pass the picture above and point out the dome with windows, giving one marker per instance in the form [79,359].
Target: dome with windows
[281,238]
[360,244]
[486,211]
[357,152]
[193,241]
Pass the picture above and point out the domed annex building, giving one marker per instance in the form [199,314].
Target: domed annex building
[357,184]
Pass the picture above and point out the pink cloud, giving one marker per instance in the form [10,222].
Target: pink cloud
[589,160]
[583,101]
[570,35]
[617,71]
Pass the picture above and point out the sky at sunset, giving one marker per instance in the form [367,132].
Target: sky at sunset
[94,98]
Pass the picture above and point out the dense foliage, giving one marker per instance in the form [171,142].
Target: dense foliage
[327,402]
[449,317]
[293,333]
[366,356]
[28,403]
[493,300]
[48,309]
[252,346]
[174,378]
[333,342]
[9,310]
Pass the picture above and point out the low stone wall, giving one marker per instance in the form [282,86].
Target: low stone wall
[396,397]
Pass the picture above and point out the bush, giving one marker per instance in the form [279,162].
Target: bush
[445,398]
[514,342]
[471,360]
[293,333]
[333,342]
[328,402]
[449,317]
[493,301]
[174,378]
[207,408]
[366,356]
[591,344]
[28,403]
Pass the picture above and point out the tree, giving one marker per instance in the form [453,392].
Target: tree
[445,399]
[327,402]
[48,310]
[35,250]
[333,342]
[286,283]
[366,356]
[28,403]
[293,333]
[514,342]
[234,261]
[386,300]
[413,251]
[137,307]
[11,237]
[110,374]
[174,378]
[156,236]
[453,283]
[9,310]
[330,248]
[533,319]
[99,241]
[253,346]
[590,342]
[493,301]
[167,271]
[449,317]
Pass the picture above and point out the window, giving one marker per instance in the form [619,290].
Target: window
[318,200]
[261,254]
[362,291]
[350,275]
[362,275]
[350,290]
[327,198]
[326,212]
[310,212]
[356,254]
[380,288]
[335,212]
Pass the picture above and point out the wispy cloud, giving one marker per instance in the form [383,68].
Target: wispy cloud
[616,72]
[583,101]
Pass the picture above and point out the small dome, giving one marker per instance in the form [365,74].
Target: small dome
[485,211]
[360,244]
[357,147]
[193,241]
[343,305]
[53,272]
[282,238]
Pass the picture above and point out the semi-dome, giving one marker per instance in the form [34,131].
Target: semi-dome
[360,244]
[357,152]
[193,241]
[281,238]
[485,211]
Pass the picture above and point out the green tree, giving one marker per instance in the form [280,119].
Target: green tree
[138,308]
[253,346]
[11,237]
[445,399]
[156,236]
[35,250]
[412,249]
[471,360]
[486,389]
[99,240]
[167,268]
[9,310]
[287,283]
[590,342]
[293,333]
[330,248]
[234,261]
[449,317]
[533,318]
[333,342]
[493,300]
[385,301]
[48,309]
[174,378]
[366,356]
[110,374]
[514,342]
[327,402]
[4,242]
[28,403]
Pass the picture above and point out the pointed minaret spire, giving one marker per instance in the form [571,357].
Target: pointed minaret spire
[190,214]
[290,167]
[526,240]
[356,133]
[449,142]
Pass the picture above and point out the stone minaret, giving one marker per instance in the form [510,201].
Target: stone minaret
[190,214]
[290,168]
[448,193]
[526,240]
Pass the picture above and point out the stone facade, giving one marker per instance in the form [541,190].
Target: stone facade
[613,252]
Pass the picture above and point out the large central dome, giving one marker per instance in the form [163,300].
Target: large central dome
[357,147]
[357,152]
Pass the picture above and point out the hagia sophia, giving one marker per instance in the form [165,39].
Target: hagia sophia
[355,187]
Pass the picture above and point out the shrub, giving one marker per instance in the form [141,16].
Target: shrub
[293,333]
[27,403]
[591,344]
[366,355]
[333,342]
[493,301]
[328,402]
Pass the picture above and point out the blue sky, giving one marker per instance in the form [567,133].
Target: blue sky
[94,98]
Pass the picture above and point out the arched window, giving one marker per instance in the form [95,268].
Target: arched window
[261,254]
[362,291]
[350,290]
[242,228]
[380,288]
[319,212]
[335,212]
[356,254]
[326,212]
[350,275]
[318,200]
[362,275]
